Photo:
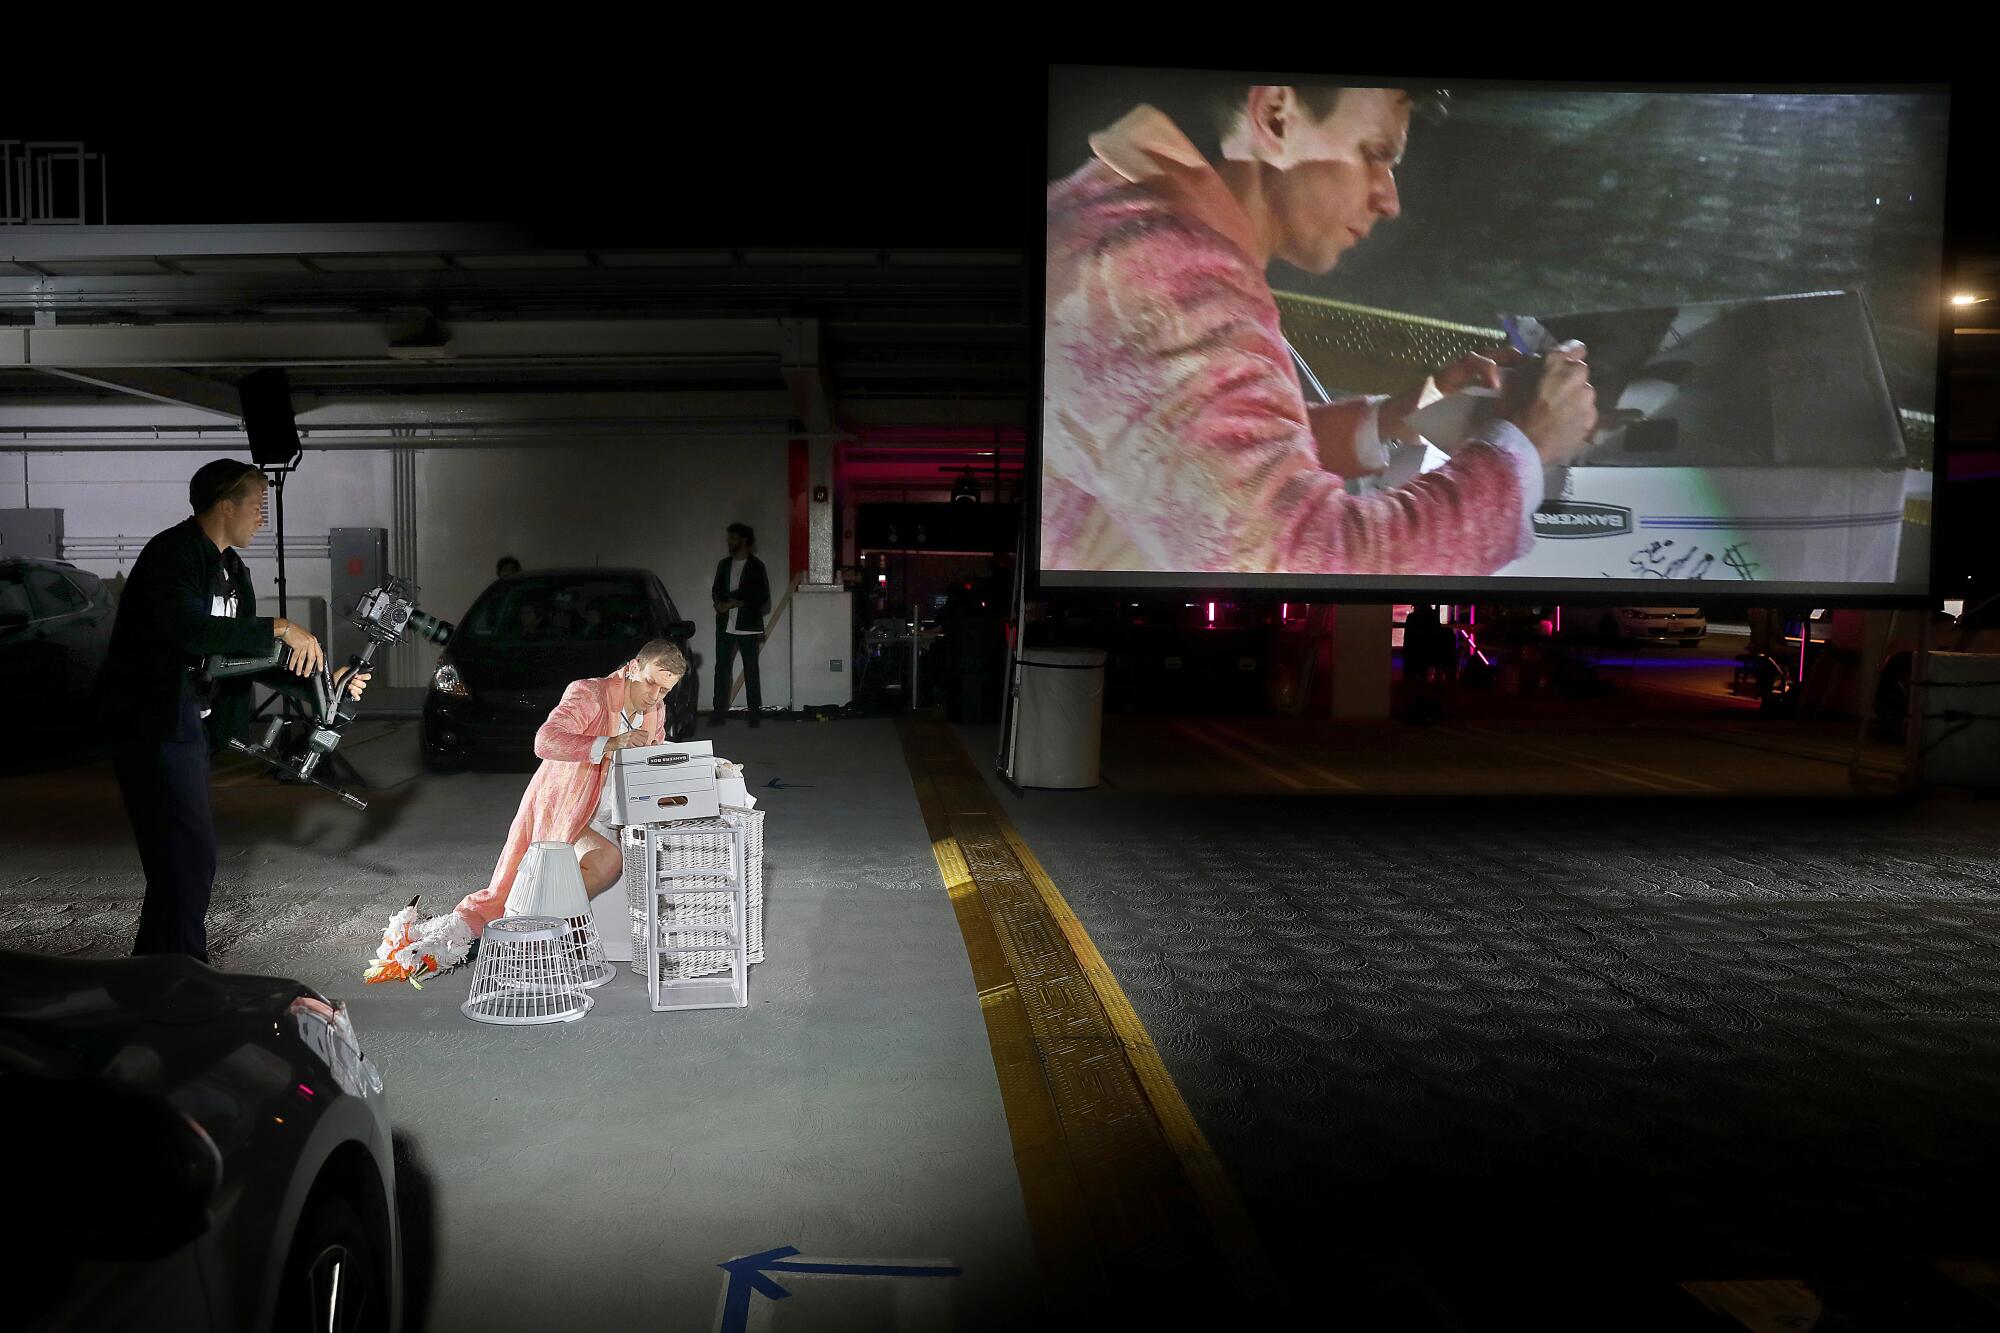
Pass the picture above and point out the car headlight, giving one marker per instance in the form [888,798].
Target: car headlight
[447,681]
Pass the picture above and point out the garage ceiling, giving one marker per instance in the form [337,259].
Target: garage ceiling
[437,335]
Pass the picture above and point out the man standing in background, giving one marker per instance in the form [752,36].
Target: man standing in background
[742,593]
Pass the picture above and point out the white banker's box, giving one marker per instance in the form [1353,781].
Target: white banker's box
[658,784]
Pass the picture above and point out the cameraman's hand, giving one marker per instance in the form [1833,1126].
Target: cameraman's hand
[304,655]
[1560,416]
[353,682]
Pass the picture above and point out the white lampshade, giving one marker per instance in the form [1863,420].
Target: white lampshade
[549,883]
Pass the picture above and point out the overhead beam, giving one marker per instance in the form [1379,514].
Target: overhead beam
[58,244]
[173,388]
[402,437]
[804,375]
[960,292]
[313,413]
[369,343]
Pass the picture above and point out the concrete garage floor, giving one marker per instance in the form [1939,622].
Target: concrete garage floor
[1588,1030]
[605,1168]
[1540,1060]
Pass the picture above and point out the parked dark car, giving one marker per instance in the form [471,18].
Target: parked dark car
[55,626]
[192,1149]
[525,639]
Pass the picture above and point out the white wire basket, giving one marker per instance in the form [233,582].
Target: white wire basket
[526,973]
[550,884]
[685,850]
[586,950]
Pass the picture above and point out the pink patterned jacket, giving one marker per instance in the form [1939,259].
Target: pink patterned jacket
[563,794]
[1175,435]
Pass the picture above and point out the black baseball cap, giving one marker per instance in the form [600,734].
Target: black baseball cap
[214,480]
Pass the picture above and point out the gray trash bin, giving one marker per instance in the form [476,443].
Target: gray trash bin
[1062,717]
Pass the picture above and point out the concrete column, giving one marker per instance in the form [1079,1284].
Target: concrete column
[1873,647]
[1361,659]
[821,535]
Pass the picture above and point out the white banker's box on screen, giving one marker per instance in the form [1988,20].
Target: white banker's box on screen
[1738,441]
[658,784]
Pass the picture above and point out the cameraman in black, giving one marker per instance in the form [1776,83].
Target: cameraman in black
[189,596]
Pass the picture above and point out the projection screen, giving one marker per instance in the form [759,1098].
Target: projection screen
[1333,335]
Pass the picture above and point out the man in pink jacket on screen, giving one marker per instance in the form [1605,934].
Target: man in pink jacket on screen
[566,800]
[1176,437]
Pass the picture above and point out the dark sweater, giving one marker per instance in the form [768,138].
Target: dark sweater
[164,630]
[755,594]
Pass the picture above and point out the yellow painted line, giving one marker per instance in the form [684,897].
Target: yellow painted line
[1120,1184]
[1977,1276]
[1609,768]
[1198,1156]
[1270,751]
[1780,1305]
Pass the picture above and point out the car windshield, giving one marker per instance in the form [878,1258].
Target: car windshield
[553,609]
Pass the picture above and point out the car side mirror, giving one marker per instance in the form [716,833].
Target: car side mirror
[681,629]
[113,1173]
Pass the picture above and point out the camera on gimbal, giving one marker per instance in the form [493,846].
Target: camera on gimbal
[385,615]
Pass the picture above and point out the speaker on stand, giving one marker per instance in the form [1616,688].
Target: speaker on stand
[273,432]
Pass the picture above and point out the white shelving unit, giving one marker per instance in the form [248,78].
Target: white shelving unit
[682,916]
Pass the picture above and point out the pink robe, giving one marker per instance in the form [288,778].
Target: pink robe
[563,794]
[1175,436]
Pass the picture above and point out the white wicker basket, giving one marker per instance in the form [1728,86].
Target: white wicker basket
[694,847]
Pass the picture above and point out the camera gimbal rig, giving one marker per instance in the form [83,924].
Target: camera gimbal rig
[384,614]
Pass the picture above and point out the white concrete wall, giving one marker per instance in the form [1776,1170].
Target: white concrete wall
[107,495]
[659,505]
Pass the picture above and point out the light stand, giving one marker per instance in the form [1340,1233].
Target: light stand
[1010,700]
[337,766]
[274,476]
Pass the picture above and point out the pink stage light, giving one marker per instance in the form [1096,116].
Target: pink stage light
[1211,614]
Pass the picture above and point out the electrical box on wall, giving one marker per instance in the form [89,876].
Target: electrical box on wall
[360,558]
[822,619]
[31,532]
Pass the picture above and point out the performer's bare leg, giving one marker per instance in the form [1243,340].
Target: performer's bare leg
[603,864]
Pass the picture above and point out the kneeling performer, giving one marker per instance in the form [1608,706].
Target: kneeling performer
[568,800]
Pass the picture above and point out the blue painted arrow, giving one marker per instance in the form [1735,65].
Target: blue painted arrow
[749,1274]
[776,785]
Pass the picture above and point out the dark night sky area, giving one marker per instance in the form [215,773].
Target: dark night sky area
[684,149]
[822,166]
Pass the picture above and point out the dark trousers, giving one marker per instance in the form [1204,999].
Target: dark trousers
[164,785]
[726,647]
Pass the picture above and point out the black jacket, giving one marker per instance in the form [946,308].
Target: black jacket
[755,594]
[164,630]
